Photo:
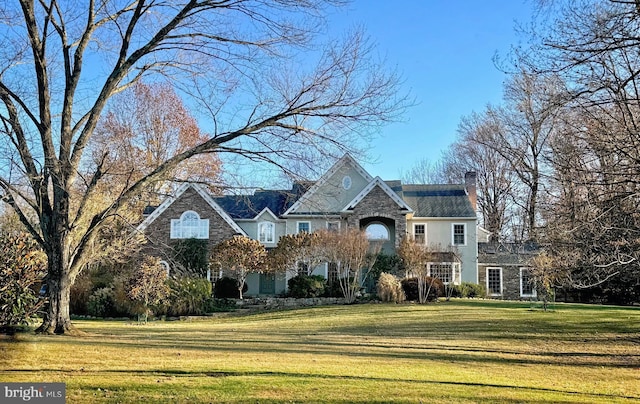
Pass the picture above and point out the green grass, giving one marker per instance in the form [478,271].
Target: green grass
[455,352]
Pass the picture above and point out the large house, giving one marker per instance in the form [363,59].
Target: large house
[442,217]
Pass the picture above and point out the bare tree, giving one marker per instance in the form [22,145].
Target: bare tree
[595,227]
[494,174]
[62,62]
[526,124]
[354,256]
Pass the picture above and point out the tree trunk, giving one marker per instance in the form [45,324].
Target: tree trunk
[56,318]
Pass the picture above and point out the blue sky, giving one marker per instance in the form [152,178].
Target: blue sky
[444,51]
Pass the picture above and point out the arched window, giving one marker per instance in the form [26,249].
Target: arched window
[165,266]
[190,226]
[377,231]
[266,232]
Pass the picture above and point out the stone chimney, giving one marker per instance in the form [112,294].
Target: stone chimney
[470,187]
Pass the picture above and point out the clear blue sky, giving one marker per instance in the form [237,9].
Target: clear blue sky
[444,51]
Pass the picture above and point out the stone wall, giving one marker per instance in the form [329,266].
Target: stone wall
[510,281]
[159,231]
[287,302]
[378,204]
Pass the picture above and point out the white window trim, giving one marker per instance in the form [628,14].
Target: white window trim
[454,265]
[270,237]
[333,221]
[453,235]
[487,281]
[425,231]
[166,267]
[533,288]
[177,231]
[298,225]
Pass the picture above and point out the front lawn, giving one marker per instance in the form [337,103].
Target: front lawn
[460,351]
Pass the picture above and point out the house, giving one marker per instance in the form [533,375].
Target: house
[442,217]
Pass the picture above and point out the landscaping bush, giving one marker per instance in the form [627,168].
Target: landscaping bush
[193,255]
[472,290]
[101,303]
[22,267]
[390,289]
[303,286]
[188,296]
[333,290]
[410,288]
[227,288]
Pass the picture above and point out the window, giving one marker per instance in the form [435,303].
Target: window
[346,182]
[333,226]
[266,232]
[304,227]
[527,285]
[494,281]
[459,234]
[214,275]
[166,267]
[377,231]
[444,272]
[303,268]
[190,226]
[419,233]
[332,273]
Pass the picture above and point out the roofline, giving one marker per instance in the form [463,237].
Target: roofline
[365,191]
[444,218]
[325,177]
[207,198]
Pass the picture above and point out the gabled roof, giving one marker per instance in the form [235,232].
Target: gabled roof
[204,194]
[344,160]
[436,200]
[250,206]
[377,182]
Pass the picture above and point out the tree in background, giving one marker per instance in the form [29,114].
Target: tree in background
[593,220]
[148,284]
[495,177]
[144,126]
[296,104]
[22,267]
[354,256]
[239,256]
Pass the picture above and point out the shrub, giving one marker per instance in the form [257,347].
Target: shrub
[101,303]
[390,289]
[188,296]
[227,288]
[22,266]
[193,255]
[410,288]
[472,290]
[303,286]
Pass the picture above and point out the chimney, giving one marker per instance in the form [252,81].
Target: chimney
[470,187]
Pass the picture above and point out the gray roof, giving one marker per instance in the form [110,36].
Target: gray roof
[248,206]
[436,200]
[507,253]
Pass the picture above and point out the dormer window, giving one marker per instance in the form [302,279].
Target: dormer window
[266,232]
[190,226]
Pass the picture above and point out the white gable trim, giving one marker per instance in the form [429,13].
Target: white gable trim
[378,182]
[346,159]
[204,194]
[267,210]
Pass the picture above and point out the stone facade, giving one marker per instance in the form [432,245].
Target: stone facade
[377,204]
[158,231]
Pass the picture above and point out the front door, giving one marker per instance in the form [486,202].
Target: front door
[267,284]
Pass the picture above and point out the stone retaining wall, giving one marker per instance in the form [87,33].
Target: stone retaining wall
[279,302]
